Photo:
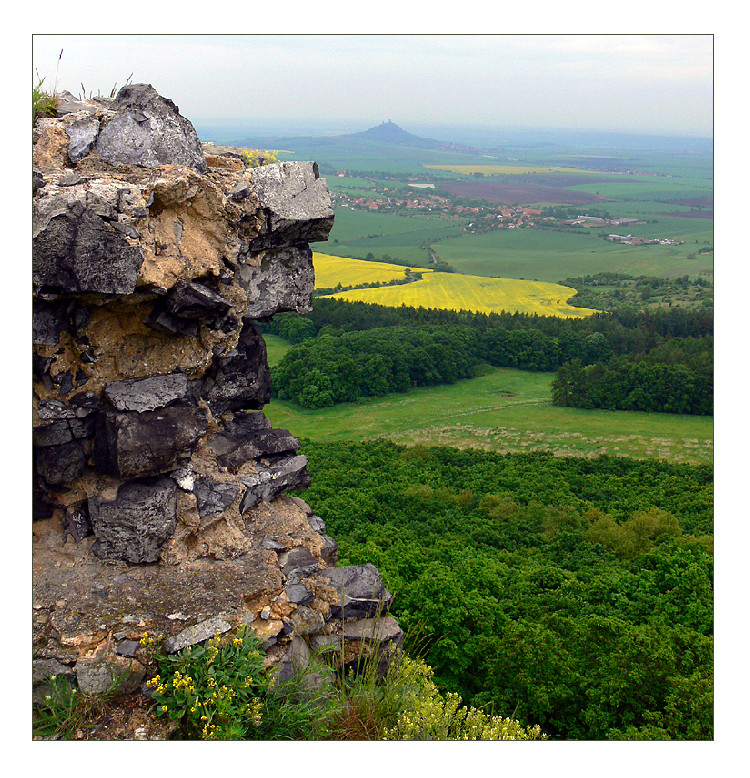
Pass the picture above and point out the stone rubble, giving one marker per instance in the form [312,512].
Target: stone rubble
[159,496]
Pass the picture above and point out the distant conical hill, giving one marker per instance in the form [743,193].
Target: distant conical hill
[386,133]
[390,132]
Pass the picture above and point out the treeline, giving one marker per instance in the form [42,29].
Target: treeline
[676,377]
[573,593]
[626,331]
[336,368]
[597,356]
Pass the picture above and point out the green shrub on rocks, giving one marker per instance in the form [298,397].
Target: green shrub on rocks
[42,102]
[222,691]
[213,691]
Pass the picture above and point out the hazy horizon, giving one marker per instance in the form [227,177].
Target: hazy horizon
[632,84]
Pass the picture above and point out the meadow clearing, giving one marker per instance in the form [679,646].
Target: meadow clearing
[504,410]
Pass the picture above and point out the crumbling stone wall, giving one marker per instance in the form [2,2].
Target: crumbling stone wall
[159,484]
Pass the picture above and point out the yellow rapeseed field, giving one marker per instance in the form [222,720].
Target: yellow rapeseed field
[505,170]
[445,290]
[330,271]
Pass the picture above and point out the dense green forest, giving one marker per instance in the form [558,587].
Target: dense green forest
[328,369]
[567,592]
[628,330]
[626,385]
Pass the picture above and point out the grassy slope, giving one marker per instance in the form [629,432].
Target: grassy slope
[504,410]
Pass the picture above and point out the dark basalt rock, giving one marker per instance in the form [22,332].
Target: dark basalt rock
[69,103]
[379,637]
[191,300]
[62,464]
[298,594]
[135,525]
[281,475]
[213,496]
[76,522]
[37,181]
[48,320]
[85,403]
[148,130]
[250,436]
[146,394]
[134,444]
[78,251]
[241,379]
[65,427]
[361,591]
[330,551]
[162,321]
[297,563]
[273,545]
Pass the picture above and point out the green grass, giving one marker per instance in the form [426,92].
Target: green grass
[503,410]
[276,347]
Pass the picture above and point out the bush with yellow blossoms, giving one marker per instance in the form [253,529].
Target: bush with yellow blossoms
[213,691]
[258,157]
[425,714]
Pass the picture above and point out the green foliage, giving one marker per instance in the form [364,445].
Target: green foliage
[222,691]
[426,714]
[628,385]
[43,103]
[340,367]
[259,157]
[571,593]
[213,691]
[57,715]
[65,710]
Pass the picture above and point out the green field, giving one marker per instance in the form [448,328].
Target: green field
[356,233]
[504,410]
[552,256]
[544,255]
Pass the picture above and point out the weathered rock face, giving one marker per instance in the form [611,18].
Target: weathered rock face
[159,484]
[146,130]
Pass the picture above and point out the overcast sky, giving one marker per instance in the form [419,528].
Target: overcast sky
[640,83]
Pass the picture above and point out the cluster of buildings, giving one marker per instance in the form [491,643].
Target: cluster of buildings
[629,240]
[424,201]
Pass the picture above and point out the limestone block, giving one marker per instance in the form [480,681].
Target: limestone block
[198,633]
[146,394]
[297,203]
